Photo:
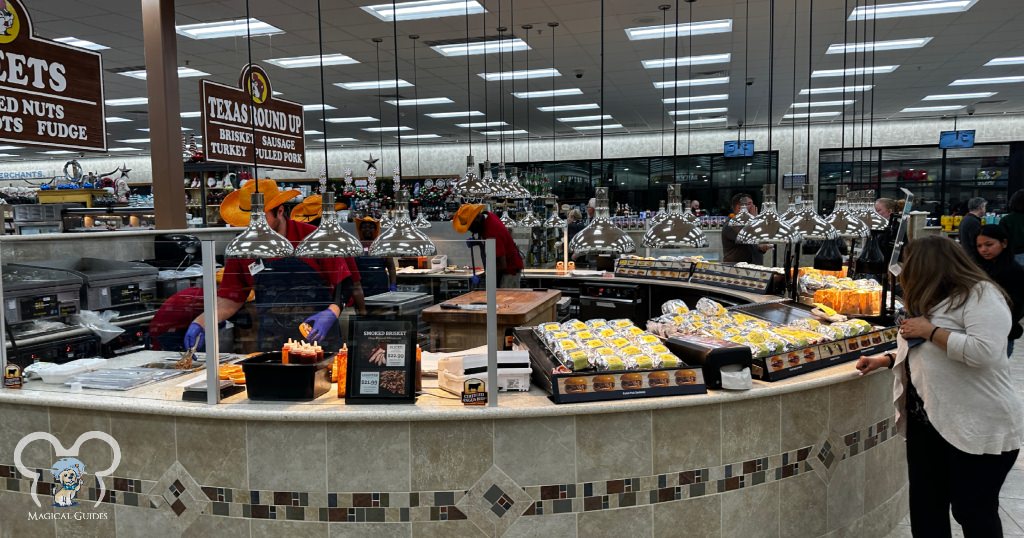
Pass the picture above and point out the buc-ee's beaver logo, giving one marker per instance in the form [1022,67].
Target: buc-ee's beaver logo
[68,471]
[10,23]
[258,87]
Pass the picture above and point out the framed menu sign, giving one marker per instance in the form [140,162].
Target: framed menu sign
[382,360]
[248,124]
[51,94]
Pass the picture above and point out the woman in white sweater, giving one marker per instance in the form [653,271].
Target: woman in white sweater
[955,400]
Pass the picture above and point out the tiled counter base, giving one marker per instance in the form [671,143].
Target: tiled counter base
[821,462]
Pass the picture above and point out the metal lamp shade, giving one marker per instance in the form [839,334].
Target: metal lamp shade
[660,215]
[507,220]
[601,236]
[529,220]
[554,221]
[500,187]
[329,240]
[768,229]
[846,222]
[470,185]
[421,221]
[870,217]
[516,187]
[675,230]
[812,227]
[402,239]
[258,240]
[741,219]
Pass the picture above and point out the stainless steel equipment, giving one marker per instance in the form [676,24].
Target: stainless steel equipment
[35,293]
[611,301]
[108,283]
[31,219]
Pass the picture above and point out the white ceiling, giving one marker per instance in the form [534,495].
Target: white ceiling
[962,44]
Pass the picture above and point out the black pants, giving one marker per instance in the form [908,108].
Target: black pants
[942,476]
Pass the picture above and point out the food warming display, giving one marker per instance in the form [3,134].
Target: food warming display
[741,276]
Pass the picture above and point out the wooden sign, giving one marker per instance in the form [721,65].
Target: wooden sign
[248,125]
[51,94]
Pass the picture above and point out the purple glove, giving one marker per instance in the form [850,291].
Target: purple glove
[195,334]
[322,323]
[474,280]
[393,287]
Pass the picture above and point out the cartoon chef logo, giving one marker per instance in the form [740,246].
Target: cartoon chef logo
[68,471]
[258,87]
[10,22]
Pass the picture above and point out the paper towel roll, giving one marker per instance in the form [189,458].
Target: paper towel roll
[735,377]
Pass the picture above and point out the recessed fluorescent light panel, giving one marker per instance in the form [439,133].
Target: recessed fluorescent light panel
[308,108]
[837,89]
[424,101]
[56,152]
[681,30]
[297,62]
[522,74]
[7,155]
[548,93]
[691,82]
[337,140]
[311,132]
[373,84]
[10,147]
[81,43]
[128,101]
[940,108]
[497,133]
[842,102]
[136,140]
[463,114]
[194,114]
[417,137]
[854,71]
[115,119]
[425,9]
[694,111]
[386,129]
[146,129]
[989,80]
[183,72]
[585,118]
[479,124]
[705,59]
[702,121]
[352,119]
[567,108]
[696,98]
[114,150]
[805,115]
[957,96]
[868,46]
[1015,60]
[910,9]
[597,127]
[481,47]
[234,28]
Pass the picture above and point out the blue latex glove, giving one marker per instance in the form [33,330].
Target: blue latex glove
[322,322]
[393,287]
[195,333]
[474,280]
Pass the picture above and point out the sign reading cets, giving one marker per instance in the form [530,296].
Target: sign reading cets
[248,125]
[51,94]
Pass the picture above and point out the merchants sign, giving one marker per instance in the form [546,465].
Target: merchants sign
[51,94]
[247,125]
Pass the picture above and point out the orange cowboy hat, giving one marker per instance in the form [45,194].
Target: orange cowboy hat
[237,204]
[465,216]
[309,209]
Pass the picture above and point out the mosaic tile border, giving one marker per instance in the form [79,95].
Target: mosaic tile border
[495,501]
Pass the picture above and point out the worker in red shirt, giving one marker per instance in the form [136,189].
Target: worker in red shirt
[288,291]
[483,224]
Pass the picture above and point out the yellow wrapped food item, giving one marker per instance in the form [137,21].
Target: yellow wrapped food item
[607,333]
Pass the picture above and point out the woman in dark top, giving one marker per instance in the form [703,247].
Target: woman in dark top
[996,257]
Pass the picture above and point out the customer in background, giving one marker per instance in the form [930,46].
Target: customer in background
[971,224]
[1013,223]
[483,224]
[734,252]
[885,207]
[574,221]
[955,400]
[695,208]
[888,209]
[591,208]
[995,258]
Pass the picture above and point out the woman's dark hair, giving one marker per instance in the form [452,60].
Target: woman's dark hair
[937,268]
[1005,260]
[1017,202]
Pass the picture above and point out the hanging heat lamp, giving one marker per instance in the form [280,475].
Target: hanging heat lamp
[601,236]
[768,227]
[470,186]
[674,231]
[847,224]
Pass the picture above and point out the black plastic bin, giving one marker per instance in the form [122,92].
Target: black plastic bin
[267,379]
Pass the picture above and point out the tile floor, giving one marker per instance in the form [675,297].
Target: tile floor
[1011,503]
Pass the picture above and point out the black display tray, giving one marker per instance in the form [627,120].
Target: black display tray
[267,379]
[818,356]
[591,386]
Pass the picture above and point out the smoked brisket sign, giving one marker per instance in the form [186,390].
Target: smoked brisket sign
[248,125]
[51,94]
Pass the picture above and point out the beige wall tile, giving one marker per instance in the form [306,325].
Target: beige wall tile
[287,456]
[846,493]
[633,522]
[878,393]
[207,526]
[462,528]
[687,438]
[515,450]
[697,518]
[88,528]
[616,445]
[804,418]
[68,424]
[17,421]
[751,512]
[802,505]
[266,528]
[750,429]
[377,530]
[14,522]
[547,525]
[847,402]
[137,521]
[368,456]
[878,474]
[147,444]
[450,455]
[213,451]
